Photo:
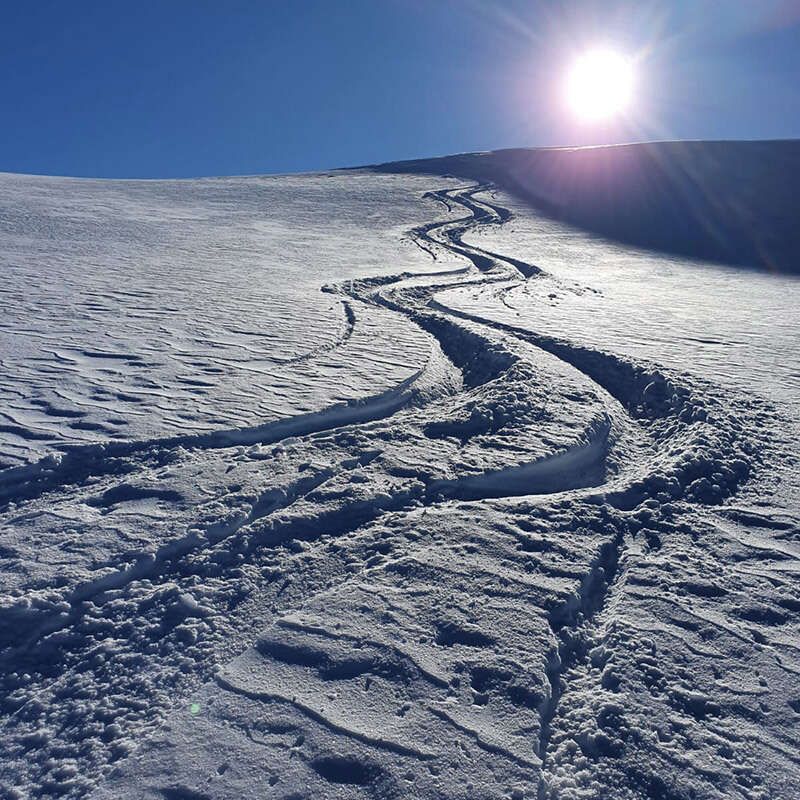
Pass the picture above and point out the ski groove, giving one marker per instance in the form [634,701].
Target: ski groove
[643,411]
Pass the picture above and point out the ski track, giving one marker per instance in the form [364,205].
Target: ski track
[690,451]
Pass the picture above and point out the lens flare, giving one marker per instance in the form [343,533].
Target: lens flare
[600,85]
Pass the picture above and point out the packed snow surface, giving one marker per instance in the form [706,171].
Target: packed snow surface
[377,485]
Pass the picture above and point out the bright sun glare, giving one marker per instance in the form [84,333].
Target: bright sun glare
[600,85]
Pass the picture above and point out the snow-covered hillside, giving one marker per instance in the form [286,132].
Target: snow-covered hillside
[727,201]
[138,310]
[378,484]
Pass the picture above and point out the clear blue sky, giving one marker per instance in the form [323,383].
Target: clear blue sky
[164,88]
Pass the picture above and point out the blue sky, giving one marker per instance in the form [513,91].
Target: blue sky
[168,88]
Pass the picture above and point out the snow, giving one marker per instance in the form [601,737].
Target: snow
[393,487]
[154,309]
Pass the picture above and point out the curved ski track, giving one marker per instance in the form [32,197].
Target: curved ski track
[678,433]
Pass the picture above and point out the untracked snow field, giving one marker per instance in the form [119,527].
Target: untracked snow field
[375,485]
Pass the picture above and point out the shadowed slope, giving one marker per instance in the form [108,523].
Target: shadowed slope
[733,202]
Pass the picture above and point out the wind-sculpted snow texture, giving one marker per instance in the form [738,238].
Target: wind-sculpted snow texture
[523,554]
[155,309]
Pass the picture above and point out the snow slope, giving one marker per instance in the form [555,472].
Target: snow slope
[169,308]
[507,511]
[729,201]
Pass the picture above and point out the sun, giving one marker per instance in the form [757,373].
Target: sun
[599,85]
